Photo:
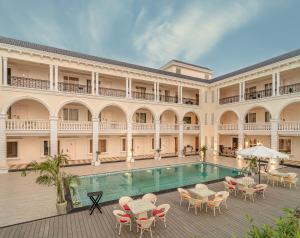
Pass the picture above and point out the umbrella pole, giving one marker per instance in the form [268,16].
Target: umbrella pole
[259,171]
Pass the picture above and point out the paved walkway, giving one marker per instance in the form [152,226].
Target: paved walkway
[21,199]
[180,222]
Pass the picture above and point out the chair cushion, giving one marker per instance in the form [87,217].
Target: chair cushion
[231,182]
[124,220]
[157,211]
[126,208]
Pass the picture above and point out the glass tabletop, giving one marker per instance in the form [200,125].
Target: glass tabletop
[140,206]
[202,192]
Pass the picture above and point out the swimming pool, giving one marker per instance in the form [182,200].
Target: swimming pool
[141,181]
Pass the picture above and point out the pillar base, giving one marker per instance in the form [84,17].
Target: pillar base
[3,167]
[129,159]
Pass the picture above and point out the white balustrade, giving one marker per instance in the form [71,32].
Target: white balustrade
[191,127]
[169,127]
[143,126]
[289,126]
[228,127]
[75,126]
[257,126]
[112,125]
[27,125]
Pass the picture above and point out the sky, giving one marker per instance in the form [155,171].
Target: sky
[221,35]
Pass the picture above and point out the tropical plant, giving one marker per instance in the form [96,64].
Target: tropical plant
[98,153]
[251,166]
[50,174]
[286,226]
[203,150]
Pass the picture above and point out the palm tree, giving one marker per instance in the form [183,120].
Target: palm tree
[51,175]
[203,149]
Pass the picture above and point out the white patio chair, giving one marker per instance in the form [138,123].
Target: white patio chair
[230,180]
[222,195]
[195,203]
[264,176]
[261,189]
[150,197]
[291,180]
[184,195]
[160,213]
[230,188]
[214,204]
[123,201]
[246,191]
[201,186]
[122,219]
[144,224]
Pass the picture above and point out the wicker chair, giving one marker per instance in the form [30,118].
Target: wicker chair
[184,195]
[122,219]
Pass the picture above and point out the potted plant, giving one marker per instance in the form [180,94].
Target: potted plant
[157,154]
[251,167]
[97,162]
[50,174]
[203,151]
[183,154]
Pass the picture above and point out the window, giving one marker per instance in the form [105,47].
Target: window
[213,96]
[12,149]
[102,146]
[152,143]
[212,142]
[212,119]
[178,70]
[9,113]
[140,117]
[187,120]
[71,80]
[123,144]
[251,117]
[46,149]
[251,92]
[205,119]
[285,145]
[267,116]
[268,89]
[91,147]
[205,97]
[70,114]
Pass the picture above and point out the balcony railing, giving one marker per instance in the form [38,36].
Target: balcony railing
[289,126]
[258,94]
[257,126]
[112,92]
[112,126]
[191,127]
[23,82]
[228,127]
[190,101]
[288,89]
[171,99]
[227,100]
[143,126]
[75,126]
[74,88]
[140,95]
[27,125]
[168,127]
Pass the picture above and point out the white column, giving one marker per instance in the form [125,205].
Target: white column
[218,95]
[157,92]
[4,71]
[274,134]
[93,83]
[129,142]
[127,88]
[3,159]
[241,136]
[53,136]
[181,94]
[199,97]
[202,134]
[51,76]
[97,82]
[242,91]
[180,140]
[130,88]
[95,138]
[56,77]
[157,137]
[278,83]
[274,84]
[1,71]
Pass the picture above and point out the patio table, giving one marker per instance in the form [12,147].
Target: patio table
[246,181]
[203,193]
[140,207]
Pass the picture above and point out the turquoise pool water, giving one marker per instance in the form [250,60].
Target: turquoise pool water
[141,181]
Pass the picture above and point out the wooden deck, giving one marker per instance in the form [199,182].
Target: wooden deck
[181,223]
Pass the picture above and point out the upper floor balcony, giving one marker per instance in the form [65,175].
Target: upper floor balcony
[23,74]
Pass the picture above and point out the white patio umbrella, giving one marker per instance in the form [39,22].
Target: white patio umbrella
[262,152]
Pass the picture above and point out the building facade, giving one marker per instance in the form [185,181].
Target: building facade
[53,100]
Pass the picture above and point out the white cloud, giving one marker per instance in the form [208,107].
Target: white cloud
[193,32]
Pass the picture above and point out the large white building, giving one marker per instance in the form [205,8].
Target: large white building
[57,100]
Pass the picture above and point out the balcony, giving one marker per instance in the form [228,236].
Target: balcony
[228,127]
[169,127]
[290,126]
[228,100]
[112,126]
[170,99]
[190,101]
[110,92]
[142,96]
[147,127]
[13,125]
[75,126]
[257,126]
[258,94]
[191,127]
[74,88]
[22,82]
[288,89]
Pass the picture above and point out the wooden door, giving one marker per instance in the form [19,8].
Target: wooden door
[176,144]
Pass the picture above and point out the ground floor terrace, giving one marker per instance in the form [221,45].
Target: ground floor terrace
[180,222]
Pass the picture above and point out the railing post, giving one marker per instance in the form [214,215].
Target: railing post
[278,83]
[157,92]
[274,133]
[97,83]
[93,83]
[129,142]
[56,77]
[180,139]
[274,76]
[242,91]
[53,136]
[95,138]
[4,71]
[157,137]
[3,159]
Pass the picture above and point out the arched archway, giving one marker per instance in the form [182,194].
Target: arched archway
[74,102]
[228,117]
[191,117]
[143,115]
[169,116]
[113,117]
[257,114]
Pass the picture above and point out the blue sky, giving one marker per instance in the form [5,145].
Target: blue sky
[221,35]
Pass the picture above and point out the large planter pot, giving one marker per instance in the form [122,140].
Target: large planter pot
[61,207]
